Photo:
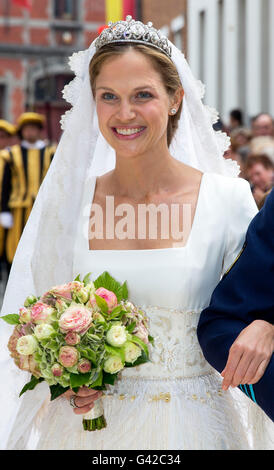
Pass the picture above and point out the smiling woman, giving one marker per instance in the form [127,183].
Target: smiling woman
[137,131]
[163,71]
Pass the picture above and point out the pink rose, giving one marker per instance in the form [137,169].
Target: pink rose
[75,318]
[141,332]
[64,290]
[57,370]
[60,305]
[68,356]
[16,334]
[23,362]
[72,338]
[84,366]
[108,296]
[25,315]
[28,364]
[41,313]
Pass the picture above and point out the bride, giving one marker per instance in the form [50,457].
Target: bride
[137,133]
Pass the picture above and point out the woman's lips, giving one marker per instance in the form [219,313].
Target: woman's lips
[128,133]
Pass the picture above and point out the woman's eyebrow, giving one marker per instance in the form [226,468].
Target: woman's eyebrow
[135,89]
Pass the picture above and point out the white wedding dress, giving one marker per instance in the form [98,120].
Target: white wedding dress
[176,400]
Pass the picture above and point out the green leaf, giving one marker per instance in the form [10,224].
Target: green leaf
[88,354]
[124,292]
[115,351]
[56,391]
[109,378]
[86,279]
[108,282]
[151,339]
[102,303]
[98,382]
[131,327]
[140,343]
[117,316]
[141,360]
[116,311]
[77,278]
[77,380]
[31,384]
[12,319]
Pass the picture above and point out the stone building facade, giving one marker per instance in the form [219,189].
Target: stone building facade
[231,49]
[34,49]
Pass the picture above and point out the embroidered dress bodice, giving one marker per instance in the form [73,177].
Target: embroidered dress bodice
[159,281]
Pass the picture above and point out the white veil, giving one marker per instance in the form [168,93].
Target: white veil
[44,254]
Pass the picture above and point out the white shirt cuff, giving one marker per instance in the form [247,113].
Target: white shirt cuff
[6,219]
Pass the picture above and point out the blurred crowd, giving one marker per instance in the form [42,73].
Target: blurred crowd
[253,148]
[25,157]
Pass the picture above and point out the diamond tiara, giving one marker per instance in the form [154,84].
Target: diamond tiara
[133,31]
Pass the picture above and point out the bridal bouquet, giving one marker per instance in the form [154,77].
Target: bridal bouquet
[80,333]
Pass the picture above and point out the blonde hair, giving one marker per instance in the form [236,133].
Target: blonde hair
[162,64]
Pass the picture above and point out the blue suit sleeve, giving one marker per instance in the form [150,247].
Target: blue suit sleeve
[245,293]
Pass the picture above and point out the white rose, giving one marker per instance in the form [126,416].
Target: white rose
[113,365]
[132,352]
[26,345]
[117,335]
[43,331]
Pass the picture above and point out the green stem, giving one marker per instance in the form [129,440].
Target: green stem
[94,424]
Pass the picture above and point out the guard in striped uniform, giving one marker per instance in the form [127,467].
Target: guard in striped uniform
[245,294]
[25,168]
[7,133]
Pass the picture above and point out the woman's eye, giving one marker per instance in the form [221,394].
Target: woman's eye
[108,96]
[144,94]
[140,95]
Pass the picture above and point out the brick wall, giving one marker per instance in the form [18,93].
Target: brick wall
[95,10]
[21,26]
[34,43]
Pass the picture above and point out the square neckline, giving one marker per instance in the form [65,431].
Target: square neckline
[197,210]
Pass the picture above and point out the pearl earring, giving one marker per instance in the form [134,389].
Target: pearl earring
[173,111]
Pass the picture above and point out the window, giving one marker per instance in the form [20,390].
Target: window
[50,88]
[177,25]
[65,9]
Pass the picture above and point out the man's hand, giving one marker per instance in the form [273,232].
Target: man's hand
[249,355]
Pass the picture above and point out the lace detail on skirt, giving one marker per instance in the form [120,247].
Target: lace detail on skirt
[176,351]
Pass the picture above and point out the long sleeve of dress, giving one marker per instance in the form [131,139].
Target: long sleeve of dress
[242,209]
[213,324]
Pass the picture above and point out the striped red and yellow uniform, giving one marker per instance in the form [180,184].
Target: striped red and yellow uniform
[21,174]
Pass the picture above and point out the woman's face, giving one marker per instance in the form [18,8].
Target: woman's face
[132,104]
